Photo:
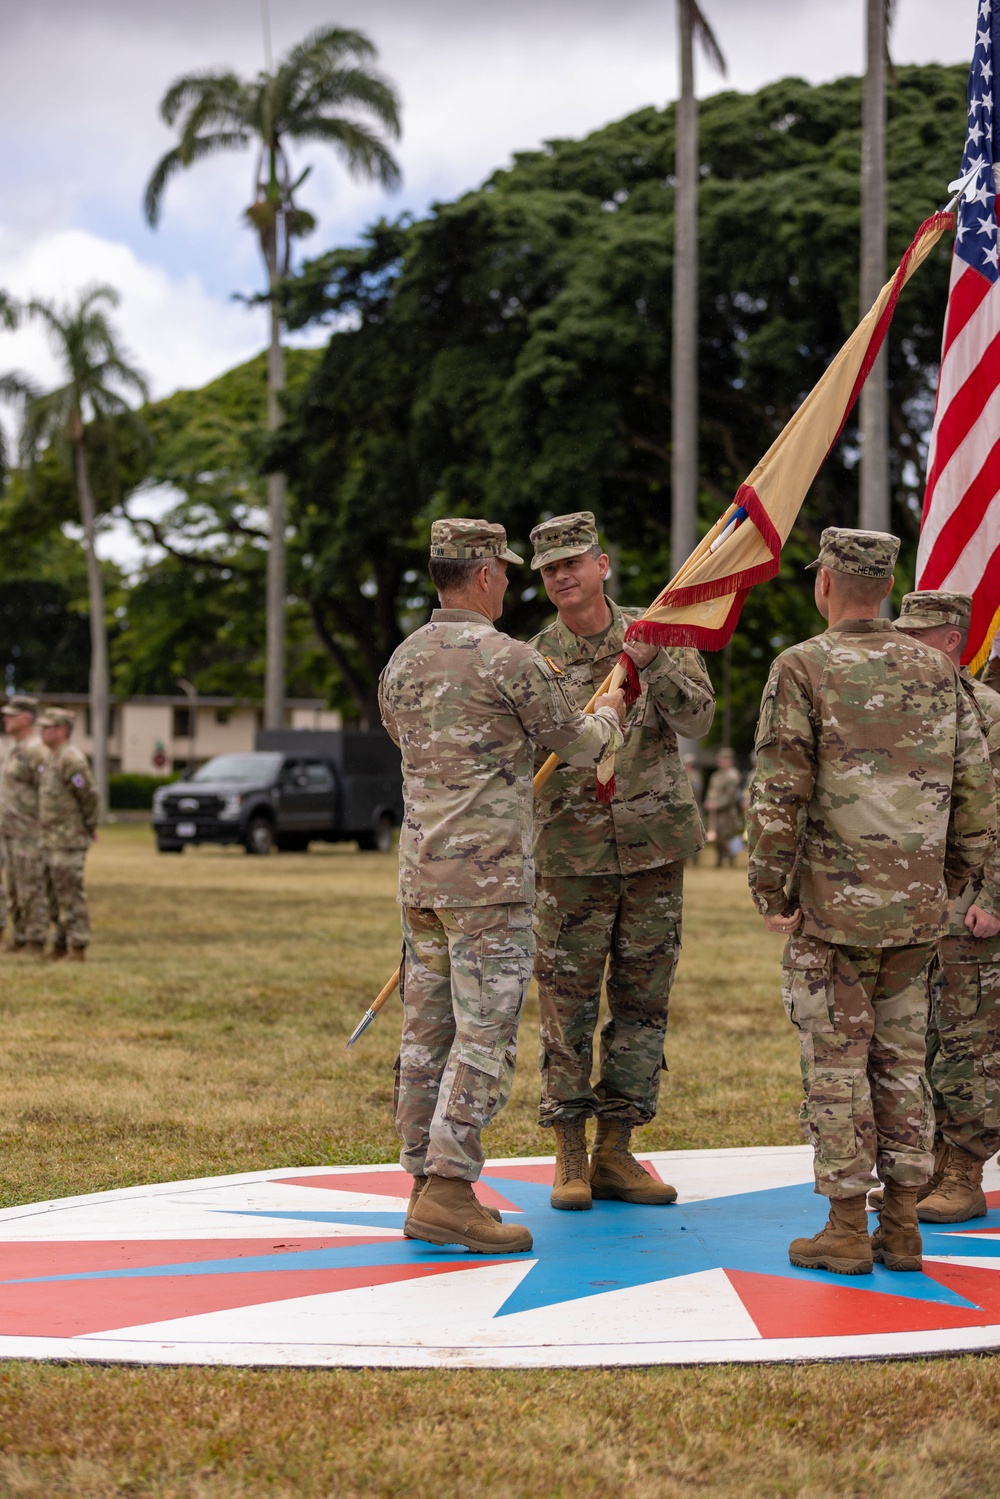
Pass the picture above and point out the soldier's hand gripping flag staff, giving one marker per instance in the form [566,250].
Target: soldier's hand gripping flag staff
[701,604]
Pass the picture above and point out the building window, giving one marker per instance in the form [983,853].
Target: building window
[182,723]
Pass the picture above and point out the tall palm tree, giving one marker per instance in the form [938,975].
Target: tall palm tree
[691,22]
[324,91]
[874,509]
[14,387]
[98,380]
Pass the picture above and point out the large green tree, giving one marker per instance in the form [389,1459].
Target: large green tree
[198,502]
[325,91]
[99,380]
[510,354]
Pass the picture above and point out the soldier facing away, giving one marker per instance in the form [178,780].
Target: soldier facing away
[874,795]
[27,900]
[610,878]
[67,816]
[467,705]
[963,1039]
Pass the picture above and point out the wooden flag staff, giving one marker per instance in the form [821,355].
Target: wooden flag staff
[610,684]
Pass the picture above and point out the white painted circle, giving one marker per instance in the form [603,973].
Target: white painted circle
[309,1267]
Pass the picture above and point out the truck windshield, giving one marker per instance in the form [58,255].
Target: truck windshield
[256,766]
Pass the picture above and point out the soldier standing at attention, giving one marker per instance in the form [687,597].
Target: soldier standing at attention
[467,706]
[872,792]
[724,805]
[610,878]
[67,816]
[963,1040]
[27,901]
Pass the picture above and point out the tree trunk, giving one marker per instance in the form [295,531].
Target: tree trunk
[874,511]
[100,685]
[684,361]
[274,671]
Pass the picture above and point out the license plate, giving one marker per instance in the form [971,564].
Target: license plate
[186,829]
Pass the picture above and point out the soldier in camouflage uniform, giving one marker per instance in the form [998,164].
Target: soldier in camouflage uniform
[610,878]
[467,706]
[26,893]
[724,805]
[873,797]
[963,1039]
[67,817]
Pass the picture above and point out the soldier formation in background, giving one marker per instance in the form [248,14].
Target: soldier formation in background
[48,820]
[609,879]
[873,807]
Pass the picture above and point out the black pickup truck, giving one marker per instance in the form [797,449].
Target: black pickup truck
[296,786]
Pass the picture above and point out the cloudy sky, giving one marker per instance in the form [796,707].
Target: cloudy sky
[479,79]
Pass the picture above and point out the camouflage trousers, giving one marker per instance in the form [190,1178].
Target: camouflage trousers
[861,1014]
[67,898]
[963,1049]
[27,898]
[632,922]
[465,976]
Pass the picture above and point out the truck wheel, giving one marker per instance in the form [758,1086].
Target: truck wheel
[259,836]
[381,838]
[164,846]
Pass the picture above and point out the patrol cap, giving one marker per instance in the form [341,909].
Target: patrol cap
[563,536]
[863,554]
[930,608]
[19,704]
[470,540]
[56,718]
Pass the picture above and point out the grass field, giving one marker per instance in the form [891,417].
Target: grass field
[205,1035]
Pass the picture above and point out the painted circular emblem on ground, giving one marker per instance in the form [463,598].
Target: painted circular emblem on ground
[311,1267]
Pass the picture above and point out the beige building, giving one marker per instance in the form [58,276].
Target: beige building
[157,735]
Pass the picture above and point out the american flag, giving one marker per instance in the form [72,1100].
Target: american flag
[960,531]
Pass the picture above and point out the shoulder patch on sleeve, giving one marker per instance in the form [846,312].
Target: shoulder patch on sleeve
[78,780]
[767,722]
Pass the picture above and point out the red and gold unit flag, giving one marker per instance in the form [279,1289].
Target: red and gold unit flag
[701,605]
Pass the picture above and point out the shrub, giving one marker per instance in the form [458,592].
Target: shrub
[134,793]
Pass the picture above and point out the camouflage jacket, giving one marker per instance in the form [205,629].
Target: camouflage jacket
[872,788]
[467,705]
[19,788]
[67,799]
[653,818]
[962,946]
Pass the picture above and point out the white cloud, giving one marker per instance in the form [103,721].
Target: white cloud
[174,331]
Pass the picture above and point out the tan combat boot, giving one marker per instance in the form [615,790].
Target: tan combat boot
[419,1183]
[615,1172]
[76,954]
[876,1198]
[34,950]
[896,1242]
[571,1189]
[57,953]
[958,1195]
[447,1212]
[842,1244]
